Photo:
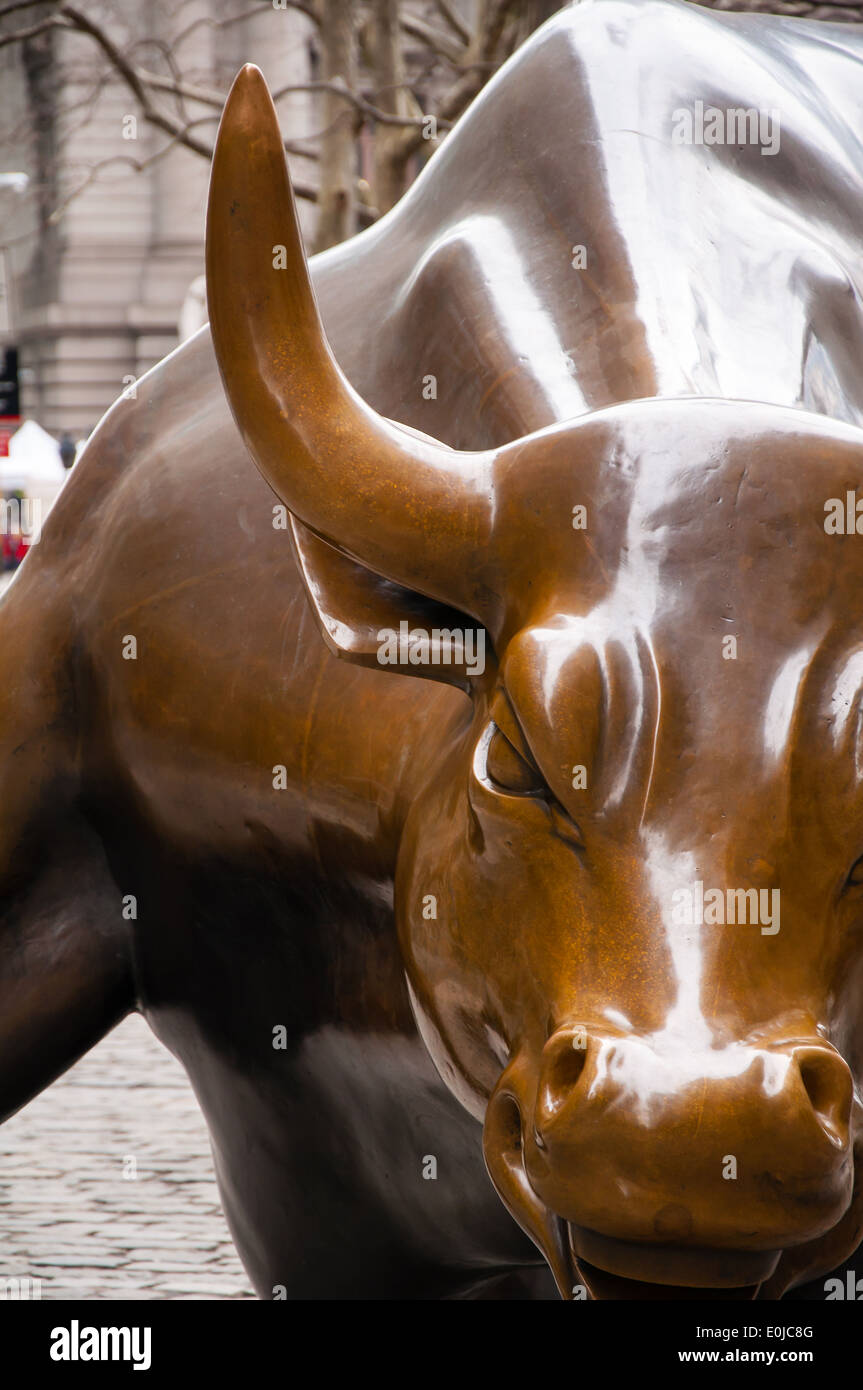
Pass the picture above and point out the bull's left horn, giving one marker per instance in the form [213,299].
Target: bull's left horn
[402,504]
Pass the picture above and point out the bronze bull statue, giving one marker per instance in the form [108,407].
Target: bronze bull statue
[581,910]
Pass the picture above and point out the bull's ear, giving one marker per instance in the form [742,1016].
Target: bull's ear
[371,621]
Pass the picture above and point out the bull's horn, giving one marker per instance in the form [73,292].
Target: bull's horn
[404,505]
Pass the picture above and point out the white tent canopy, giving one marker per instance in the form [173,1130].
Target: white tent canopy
[34,466]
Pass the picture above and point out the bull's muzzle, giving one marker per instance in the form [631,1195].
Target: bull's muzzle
[658,1161]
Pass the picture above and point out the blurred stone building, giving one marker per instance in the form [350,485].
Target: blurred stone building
[99,257]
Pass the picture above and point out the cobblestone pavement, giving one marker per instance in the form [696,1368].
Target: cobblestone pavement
[70,1218]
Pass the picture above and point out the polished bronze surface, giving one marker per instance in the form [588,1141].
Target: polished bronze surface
[587,900]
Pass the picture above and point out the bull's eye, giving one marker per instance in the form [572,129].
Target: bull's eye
[500,766]
[507,770]
[855,878]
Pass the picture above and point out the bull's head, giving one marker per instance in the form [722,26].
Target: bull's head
[642,963]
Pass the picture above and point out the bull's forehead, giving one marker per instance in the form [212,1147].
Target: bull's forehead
[706,635]
[676,493]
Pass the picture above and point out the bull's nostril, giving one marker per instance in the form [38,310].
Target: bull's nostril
[508,1119]
[503,1149]
[563,1074]
[572,1062]
[827,1082]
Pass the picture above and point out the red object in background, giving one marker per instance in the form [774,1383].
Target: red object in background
[14,548]
[8,426]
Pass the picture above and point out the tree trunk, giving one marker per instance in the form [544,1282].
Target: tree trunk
[336,196]
[390,157]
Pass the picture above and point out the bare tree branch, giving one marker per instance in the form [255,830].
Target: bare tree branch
[19,35]
[308,10]
[161,119]
[19,5]
[339,88]
[207,22]
[139,165]
[391,108]
[171,63]
[209,96]
[484,50]
[442,44]
[92,175]
[482,57]
[446,11]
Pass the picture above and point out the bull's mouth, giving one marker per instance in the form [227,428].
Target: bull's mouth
[618,1269]
[610,1268]
[607,1267]
[602,1285]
